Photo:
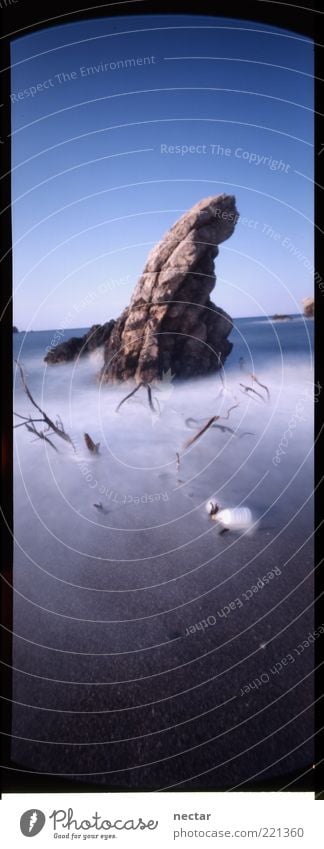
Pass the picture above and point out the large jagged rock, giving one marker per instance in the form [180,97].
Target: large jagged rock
[171,323]
[77,346]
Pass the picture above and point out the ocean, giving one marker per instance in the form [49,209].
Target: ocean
[146,641]
[259,335]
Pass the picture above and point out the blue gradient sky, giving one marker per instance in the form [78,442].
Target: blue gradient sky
[92,192]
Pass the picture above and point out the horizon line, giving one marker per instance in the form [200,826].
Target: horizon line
[88,326]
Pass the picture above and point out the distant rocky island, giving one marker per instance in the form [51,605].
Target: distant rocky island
[282,317]
[15,329]
[171,323]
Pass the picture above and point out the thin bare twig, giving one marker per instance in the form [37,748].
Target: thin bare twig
[250,389]
[208,425]
[228,411]
[254,377]
[128,396]
[60,424]
[25,419]
[221,368]
[40,434]
[149,395]
[246,433]
[58,430]
[201,431]
[149,392]
[223,428]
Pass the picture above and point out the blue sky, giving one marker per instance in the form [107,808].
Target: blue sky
[93,190]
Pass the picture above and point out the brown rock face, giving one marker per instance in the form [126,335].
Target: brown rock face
[78,346]
[171,322]
[309,305]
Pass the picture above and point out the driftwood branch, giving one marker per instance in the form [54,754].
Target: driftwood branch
[263,386]
[129,396]
[254,380]
[41,435]
[26,419]
[192,423]
[200,432]
[221,370]
[92,446]
[149,395]
[208,425]
[57,428]
[246,389]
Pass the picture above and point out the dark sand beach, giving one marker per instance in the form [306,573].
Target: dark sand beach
[151,651]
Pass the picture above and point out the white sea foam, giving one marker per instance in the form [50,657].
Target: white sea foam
[228,463]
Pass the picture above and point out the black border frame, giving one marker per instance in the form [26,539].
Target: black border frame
[20,18]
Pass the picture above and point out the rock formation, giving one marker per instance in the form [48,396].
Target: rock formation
[77,346]
[171,323]
[308,304]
